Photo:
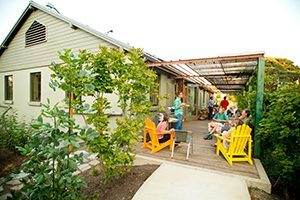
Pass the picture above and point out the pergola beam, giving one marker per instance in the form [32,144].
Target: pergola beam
[214,75]
[201,60]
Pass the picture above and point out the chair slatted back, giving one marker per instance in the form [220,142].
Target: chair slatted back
[151,129]
[239,138]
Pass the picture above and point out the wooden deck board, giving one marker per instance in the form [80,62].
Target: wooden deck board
[204,155]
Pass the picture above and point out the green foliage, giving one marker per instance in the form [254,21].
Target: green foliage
[279,128]
[72,77]
[50,166]
[133,80]
[278,72]
[13,133]
[109,71]
[128,77]
[247,100]
[280,135]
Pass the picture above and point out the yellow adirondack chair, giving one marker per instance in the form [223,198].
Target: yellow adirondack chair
[153,143]
[239,138]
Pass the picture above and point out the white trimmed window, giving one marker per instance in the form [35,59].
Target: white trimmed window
[36,34]
[8,88]
[35,87]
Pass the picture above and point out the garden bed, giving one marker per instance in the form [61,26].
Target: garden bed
[9,161]
[122,188]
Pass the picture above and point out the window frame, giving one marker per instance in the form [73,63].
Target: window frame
[6,88]
[32,88]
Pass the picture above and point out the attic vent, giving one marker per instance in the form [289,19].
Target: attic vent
[36,34]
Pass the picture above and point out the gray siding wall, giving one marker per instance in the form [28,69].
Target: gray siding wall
[59,36]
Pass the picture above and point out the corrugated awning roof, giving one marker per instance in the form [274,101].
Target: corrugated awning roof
[228,74]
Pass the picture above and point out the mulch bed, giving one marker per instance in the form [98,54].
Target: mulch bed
[123,188]
[257,194]
[9,161]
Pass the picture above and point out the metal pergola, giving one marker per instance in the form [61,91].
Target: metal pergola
[229,74]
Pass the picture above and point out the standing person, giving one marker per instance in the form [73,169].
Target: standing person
[210,108]
[178,110]
[224,103]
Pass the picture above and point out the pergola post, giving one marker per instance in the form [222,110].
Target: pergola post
[259,103]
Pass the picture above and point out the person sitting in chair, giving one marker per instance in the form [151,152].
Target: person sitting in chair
[226,133]
[245,117]
[217,123]
[163,126]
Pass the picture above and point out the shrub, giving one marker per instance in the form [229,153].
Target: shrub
[279,128]
[13,133]
[280,139]
[50,166]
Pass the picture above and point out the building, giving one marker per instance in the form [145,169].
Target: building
[29,48]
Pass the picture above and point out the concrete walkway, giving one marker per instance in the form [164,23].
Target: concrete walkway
[170,181]
[173,181]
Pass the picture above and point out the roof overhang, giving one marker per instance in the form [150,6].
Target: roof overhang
[32,6]
[229,74]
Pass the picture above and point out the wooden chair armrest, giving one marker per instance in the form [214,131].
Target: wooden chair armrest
[221,138]
[164,132]
[167,132]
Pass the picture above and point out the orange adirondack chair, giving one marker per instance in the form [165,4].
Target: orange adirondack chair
[240,137]
[153,143]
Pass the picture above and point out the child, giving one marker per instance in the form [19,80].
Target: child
[163,126]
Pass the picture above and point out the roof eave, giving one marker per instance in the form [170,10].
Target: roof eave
[33,5]
[92,31]
[15,28]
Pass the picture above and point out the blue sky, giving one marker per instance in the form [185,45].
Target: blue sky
[187,29]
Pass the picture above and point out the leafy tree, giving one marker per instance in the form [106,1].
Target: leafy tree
[133,81]
[96,75]
[279,127]
[50,167]
[278,72]
[126,75]
[280,135]
[72,77]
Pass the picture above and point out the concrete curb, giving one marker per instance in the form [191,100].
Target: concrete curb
[262,183]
